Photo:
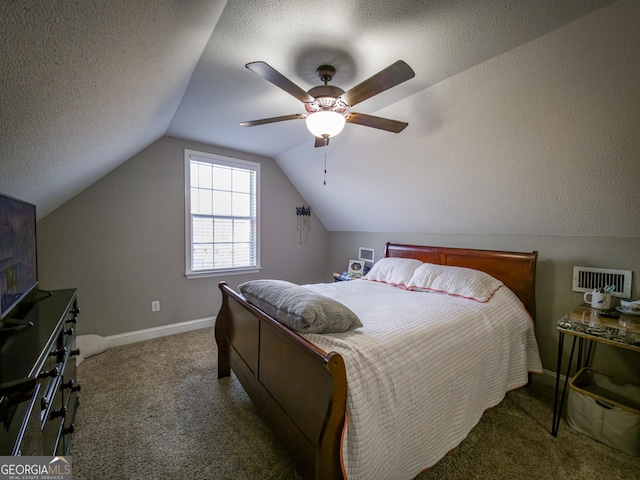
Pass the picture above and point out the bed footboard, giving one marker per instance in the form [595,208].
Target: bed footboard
[299,390]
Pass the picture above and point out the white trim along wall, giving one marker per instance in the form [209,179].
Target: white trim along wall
[157,332]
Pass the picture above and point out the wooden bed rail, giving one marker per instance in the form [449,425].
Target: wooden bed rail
[272,362]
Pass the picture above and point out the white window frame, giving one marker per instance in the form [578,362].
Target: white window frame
[229,162]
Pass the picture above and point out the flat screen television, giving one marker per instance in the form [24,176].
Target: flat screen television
[18,260]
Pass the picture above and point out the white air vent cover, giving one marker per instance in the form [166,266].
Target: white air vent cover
[586,279]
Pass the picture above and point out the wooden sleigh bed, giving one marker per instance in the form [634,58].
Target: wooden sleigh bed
[300,390]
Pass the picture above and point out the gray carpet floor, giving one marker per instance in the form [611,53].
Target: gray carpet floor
[155,410]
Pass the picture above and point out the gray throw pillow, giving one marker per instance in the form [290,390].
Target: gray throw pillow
[298,307]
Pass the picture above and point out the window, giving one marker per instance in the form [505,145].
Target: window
[222,212]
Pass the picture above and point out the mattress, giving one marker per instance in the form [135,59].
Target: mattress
[422,370]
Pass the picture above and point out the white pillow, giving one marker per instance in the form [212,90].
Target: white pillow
[396,271]
[458,281]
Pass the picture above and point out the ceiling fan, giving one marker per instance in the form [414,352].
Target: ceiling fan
[327,105]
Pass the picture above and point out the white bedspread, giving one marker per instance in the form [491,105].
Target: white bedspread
[422,371]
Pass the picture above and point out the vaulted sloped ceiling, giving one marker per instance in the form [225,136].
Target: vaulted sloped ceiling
[86,85]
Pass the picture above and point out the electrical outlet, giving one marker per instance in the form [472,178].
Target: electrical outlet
[155,305]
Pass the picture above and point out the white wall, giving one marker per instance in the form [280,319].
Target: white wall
[121,243]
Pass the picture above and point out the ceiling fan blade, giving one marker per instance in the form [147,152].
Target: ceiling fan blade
[320,142]
[391,76]
[376,122]
[271,75]
[253,123]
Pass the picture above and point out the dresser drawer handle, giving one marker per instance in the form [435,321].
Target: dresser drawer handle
[50,373]
[61,412]
[58,351]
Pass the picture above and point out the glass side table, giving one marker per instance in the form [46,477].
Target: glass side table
[586,325]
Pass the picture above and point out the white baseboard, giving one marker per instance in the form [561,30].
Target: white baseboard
[548,377]
[157,332]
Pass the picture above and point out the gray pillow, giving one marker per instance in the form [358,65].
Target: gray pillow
[298,307]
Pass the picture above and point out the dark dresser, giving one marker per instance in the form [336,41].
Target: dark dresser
[38,387]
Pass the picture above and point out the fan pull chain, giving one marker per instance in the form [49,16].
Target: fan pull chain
[326,141]
[325,168]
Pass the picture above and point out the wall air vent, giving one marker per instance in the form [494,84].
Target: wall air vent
[586,279]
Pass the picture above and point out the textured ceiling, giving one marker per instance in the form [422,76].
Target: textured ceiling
[86,85]
[437,38]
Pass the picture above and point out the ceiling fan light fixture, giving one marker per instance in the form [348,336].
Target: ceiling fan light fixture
[327,105]
[325,122]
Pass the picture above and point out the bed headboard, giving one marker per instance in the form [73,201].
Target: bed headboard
[515,269]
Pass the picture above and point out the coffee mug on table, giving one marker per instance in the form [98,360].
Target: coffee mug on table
[598,300]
